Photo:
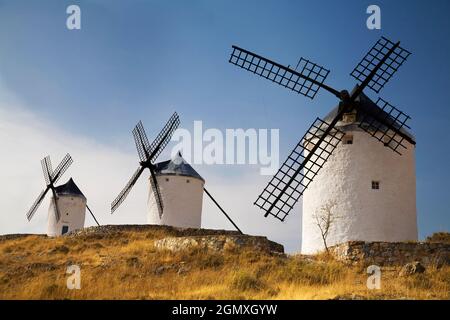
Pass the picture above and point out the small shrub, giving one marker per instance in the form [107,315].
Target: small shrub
[310,272]
[50,290]
[133,262]
[213,261]
[97,245]
[7,250]
[244,281]
[59,249]
[419,281]
[443,237]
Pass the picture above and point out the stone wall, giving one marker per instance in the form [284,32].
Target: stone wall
[219,243]
[392,253]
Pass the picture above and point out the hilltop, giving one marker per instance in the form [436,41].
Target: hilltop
[145,262]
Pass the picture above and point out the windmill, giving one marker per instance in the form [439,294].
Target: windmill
[68,204]
[381,121]
[148,153]
[176,189]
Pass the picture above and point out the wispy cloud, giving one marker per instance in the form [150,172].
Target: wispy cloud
[101,171]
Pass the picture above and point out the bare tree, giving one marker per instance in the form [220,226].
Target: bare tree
[325,219]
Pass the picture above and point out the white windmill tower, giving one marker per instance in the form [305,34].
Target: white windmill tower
[176,189]
[181,190]
[68,204]
[373,187]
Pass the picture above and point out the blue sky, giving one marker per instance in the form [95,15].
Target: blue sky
[145,59]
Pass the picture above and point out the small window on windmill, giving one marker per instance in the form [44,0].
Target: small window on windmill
[167,179]
[375,185]
[187,181]
[348,139]
[349,117]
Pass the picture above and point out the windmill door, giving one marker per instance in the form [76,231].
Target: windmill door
[65,229]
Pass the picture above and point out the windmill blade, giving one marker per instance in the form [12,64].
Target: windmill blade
[123,194]
[62,167]
[306,82]
[387,69]
[299,169]
[156,192]
[387,125]
[141,141]
[47,169]
[36,204]
[55,203]
[163,137]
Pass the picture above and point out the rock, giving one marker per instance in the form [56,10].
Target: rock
[218,243]
[183,270]
[392,253]
[411,268]
[38,266]
[161,269]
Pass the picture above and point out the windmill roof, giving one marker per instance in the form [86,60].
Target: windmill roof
[178,167]
[366,106]
[69,188]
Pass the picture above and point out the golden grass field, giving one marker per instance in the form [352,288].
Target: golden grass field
[126,265]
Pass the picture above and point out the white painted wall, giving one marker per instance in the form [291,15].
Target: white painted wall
[387,214]
[72,210]
[182,202]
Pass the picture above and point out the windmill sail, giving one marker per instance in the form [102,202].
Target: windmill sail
[385,72]
[126,190]
[306,82]
[298,171]
[36,204]
[156,193]
[141,141]
[148,153]
[386,124]
[61,169]
[163,138]
[47,169]
[51,177]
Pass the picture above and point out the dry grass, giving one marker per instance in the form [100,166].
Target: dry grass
[125,265]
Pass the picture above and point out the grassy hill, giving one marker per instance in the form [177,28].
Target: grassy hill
[123,263]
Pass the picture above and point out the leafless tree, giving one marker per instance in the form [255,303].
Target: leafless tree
[325,219]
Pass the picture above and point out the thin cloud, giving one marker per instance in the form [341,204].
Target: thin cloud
[101,171]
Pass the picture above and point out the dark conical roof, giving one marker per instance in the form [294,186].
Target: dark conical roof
[178,167]
[366,106]
[69,188]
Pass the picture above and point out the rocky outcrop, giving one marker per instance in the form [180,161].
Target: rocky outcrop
[177,232]
[219,243]
[14,236]
[392,253]
[176,239]
[411,268]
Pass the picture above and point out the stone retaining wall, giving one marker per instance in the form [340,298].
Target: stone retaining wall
[219,243]
[392,253]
